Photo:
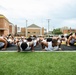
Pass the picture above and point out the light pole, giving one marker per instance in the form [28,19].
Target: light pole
[26,28]
[48,26]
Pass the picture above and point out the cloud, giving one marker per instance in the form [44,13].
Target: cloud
[2,8]
[38,11]
[70,23]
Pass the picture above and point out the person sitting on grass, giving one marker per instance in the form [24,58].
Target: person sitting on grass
[25,45]
[3,44]
[50,44]
[71,40]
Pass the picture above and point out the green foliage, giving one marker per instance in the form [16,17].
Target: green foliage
[38,63]
[57,31]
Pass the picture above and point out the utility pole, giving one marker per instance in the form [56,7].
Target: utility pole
[48,25]
[26,28]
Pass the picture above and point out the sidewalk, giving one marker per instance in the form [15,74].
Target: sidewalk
[39,49]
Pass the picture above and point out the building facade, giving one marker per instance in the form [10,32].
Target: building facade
[7,27]
[12,29]
[34,30]
[4,25]
[31,30]
[66,30]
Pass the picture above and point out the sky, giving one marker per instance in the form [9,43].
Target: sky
[59,12]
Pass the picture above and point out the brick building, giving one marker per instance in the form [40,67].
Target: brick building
[66,30]
[31,30]
[12,29]
[34,30]
[4,25]
[7,27]
[69,31]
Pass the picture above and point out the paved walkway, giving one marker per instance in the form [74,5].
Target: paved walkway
[39,48]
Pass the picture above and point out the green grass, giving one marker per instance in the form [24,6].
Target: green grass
[37,63]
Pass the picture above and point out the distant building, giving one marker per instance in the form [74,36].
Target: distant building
[15,29]
[45,31]
[21,31]
[66,30]
[12,29]
[34,30]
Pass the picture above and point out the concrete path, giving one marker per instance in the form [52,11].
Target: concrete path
[39,48]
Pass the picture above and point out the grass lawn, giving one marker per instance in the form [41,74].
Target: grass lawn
[38,63]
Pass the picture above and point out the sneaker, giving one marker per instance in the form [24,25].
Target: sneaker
[68,45]
[60,49]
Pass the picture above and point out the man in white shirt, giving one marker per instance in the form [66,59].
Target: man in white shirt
[26,45]
[50,44]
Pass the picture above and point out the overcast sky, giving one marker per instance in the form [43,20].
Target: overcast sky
[60,12]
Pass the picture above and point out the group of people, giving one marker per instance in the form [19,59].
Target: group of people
[47,44]
[6,41]
[70,39]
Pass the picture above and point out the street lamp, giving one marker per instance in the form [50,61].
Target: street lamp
[26,28]
[48,26]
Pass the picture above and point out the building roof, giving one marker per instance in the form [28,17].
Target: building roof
[33,26]
[2,16]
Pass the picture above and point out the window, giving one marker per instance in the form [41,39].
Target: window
[28,32]
[34,32]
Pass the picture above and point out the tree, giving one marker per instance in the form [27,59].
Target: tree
[57,31]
